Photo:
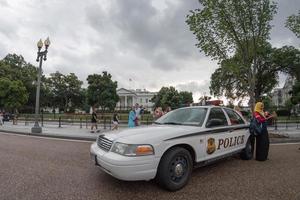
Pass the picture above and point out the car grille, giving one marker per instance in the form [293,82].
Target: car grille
[104,143]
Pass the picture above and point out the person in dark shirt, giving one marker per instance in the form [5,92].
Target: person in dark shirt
[115,121]
[94,121]
[262,140]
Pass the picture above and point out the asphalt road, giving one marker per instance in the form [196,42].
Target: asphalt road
[37,168]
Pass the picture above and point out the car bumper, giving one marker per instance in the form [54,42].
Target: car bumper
[124,167]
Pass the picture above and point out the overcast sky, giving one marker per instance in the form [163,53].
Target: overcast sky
[146,41]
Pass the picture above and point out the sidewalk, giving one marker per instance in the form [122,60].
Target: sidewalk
[290,133]
[49,130]
[77,133]
[284,135]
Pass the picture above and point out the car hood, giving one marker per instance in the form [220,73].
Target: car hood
[152,133]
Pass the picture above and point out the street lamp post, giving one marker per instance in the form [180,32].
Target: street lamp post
[41,55]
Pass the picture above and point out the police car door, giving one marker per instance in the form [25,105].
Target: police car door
[239,130]
[217,130]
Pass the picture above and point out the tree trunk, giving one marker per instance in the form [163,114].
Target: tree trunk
[252,83]
[252,102]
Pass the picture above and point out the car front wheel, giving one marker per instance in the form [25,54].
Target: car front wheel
[247,153]
[175,169]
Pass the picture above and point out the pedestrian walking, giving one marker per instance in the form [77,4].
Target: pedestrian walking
[94,121]
[115,122]
[16,116]
[131,118]
[262,139]
[138,111]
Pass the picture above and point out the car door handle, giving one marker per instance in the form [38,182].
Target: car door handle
[231,130]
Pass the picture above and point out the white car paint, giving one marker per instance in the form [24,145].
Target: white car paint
[164,137]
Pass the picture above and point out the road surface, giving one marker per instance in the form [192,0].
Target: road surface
[40,168]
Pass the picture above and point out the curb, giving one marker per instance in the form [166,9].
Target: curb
[283,140]
[47,135]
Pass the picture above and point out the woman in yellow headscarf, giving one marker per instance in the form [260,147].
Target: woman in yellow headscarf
[259,108]
[262,140]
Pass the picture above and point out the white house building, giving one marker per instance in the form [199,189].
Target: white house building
[281,95]
[129,98]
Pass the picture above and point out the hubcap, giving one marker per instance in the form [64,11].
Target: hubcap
[179,170]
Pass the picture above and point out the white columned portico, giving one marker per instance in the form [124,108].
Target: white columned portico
[129,98]
[134,101]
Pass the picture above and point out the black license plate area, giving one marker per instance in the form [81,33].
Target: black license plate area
[96,161]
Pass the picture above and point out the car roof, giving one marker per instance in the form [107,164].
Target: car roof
[209,106]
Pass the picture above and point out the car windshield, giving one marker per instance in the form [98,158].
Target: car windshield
[186,116]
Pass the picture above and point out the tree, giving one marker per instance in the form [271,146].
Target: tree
[102,91]
[167,96]
[268,104]
[15,61]
[293,23]
[13,94]
[14,67]
[66,91]
[85,104]
[295,99]
[185,98]
[29,79]
[231,80]
[47,99]
[288,58]
[75,93]
[239,29]
[289,105]
[292,55]
[4,85]
[5,70]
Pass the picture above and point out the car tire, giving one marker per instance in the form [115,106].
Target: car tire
[174,169]
[247,153]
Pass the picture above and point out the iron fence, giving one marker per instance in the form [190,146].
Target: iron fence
[84,121]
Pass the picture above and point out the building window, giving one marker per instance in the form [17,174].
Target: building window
[141,100]
[146,100]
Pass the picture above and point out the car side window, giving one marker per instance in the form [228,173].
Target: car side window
[216,118]
[234,117]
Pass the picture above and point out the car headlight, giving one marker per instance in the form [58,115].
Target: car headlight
[132,149]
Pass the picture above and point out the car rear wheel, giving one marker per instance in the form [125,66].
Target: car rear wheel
[175,169]
[247,153]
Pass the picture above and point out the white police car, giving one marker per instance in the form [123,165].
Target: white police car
[177,142]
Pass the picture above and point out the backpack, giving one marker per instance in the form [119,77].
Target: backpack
[255,128]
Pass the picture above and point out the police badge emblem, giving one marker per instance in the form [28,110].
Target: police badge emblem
[211,146]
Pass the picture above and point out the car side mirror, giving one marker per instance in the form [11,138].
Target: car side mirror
[214,122]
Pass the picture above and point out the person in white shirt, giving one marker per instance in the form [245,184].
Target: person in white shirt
[137,110]
[1,118]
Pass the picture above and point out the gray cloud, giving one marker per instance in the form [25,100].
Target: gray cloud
[2,49]
[198,88]
[3,3]
[194,86]
[162,37]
